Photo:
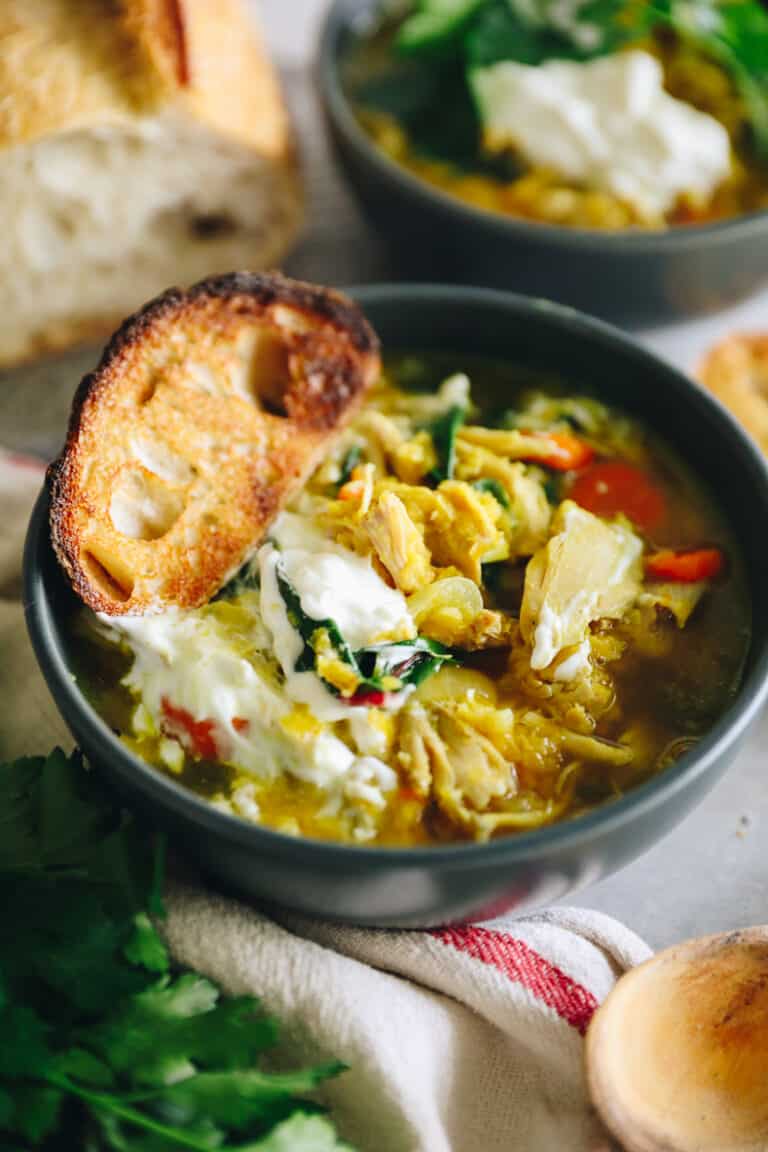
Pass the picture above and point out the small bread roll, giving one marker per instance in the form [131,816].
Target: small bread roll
[736,371]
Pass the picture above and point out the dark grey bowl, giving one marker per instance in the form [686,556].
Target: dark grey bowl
[629,277]
[430,885]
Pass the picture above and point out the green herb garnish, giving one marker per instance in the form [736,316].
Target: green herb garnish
[407,662]
[444,431]
[105,1043]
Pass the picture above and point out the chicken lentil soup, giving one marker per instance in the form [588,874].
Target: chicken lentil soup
[607,116]
[471,622]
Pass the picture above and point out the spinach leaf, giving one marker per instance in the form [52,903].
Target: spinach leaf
[444,431]
[351,460]
[435,24]
[379,668]
[553,488]
[431,99]
[499,34]
[533,33]
[409,661]
[308,629]
[735,34]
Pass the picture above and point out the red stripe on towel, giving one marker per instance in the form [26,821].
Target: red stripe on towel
[572,1001]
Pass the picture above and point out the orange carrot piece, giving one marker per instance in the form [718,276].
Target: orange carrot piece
[685,567]
[352,490]
[613,486]
[568,452]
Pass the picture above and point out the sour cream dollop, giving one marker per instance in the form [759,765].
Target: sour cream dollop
[607,124]
[332,583]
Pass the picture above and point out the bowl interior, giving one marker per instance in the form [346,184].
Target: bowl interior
[531,335]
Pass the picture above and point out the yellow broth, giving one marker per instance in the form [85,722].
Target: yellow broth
[429,128]
[667,687]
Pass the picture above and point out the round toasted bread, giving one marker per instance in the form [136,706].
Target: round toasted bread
[208,410]
[736,371]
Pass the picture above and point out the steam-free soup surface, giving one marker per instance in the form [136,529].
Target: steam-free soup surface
[497,604]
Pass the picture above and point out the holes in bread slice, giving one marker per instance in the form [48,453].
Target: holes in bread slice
[147,390]
[106,573]
[211,225]
[261,371]
[156,456]
[143,506]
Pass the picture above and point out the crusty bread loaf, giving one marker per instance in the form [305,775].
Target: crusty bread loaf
[142,143]
[208,410]
[736,371]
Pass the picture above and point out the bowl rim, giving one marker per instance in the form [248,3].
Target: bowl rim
[338,21]
[519,848]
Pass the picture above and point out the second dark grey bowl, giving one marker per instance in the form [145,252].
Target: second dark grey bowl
[421,886]
[629,277]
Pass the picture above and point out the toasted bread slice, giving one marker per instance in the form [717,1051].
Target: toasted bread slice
[209,409]
[736,371]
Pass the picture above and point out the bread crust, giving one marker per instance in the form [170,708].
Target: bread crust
[237,387]
[115,64]
[70,66]
[736,371]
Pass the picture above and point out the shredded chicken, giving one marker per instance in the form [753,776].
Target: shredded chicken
[577,703]
[447,756]
[398,543]
[461,769]
[529,510]
[510,443]
[472,536]
[489,629]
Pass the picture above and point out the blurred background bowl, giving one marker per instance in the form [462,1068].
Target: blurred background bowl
[426,886]
[630,277]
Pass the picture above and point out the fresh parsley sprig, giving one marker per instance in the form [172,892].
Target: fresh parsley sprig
[105,1044]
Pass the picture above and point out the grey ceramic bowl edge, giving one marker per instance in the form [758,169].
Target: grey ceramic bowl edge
[412,887]
[634,277]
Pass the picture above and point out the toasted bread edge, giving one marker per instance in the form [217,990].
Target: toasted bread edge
[348,376]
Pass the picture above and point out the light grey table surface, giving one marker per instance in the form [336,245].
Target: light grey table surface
[711,873]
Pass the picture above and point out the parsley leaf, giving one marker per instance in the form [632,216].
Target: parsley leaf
[106,1046]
